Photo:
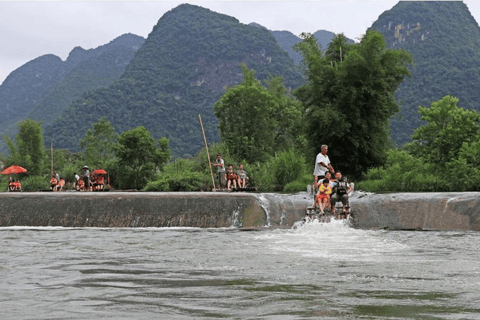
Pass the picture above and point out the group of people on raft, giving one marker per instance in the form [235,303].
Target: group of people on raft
[86,182]
[330,186]
[230,178]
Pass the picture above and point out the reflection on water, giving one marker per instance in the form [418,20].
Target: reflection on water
[326,271]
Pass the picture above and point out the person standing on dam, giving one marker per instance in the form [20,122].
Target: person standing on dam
[220,164]
[322,165]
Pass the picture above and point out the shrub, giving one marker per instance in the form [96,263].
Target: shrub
[34,183]
[403,173]
[282,169]
[180,176]
[299,184]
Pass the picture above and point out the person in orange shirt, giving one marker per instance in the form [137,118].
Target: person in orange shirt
[53,183]
[323,195]
[60,185]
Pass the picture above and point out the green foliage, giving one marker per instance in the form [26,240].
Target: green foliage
[34,183]
[349,98]
[68,171]
[402,173]
[445,155]
[136,155]
[180,71]
[4,184]
[28,150]
[254,121]
[180,176]
[447,129]
[300,184]
[285,167]
[99,145]
[162,153]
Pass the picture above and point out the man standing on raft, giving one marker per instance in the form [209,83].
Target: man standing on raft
[322,165]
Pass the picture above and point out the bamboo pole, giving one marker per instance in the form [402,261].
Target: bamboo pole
[51,157]
[206,147]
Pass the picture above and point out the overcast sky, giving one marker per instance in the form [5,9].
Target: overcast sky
[33,28]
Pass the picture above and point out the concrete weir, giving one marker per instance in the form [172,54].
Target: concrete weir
[400,211]
[417,211]
[142,209]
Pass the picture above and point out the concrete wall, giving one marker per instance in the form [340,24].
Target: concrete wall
[418,211]
[421,211]
[119,209]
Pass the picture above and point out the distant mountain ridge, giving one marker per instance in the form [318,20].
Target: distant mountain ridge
[183,68]
[42,88]
[287,40]
[443,38]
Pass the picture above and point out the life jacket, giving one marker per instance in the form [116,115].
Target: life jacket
[342,186]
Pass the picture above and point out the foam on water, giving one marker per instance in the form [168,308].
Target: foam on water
[334,240]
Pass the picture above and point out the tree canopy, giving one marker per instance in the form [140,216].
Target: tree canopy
[449,130]
[138,157]
[28,150]
[349,98]
[255,121]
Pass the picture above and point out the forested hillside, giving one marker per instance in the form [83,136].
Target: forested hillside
[184,66]
[443,39]
[42,88]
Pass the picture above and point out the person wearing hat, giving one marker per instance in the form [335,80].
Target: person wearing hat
[86,176]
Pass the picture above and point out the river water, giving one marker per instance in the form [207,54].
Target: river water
[325,271]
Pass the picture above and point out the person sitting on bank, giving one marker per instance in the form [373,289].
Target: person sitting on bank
[60,185]
[323,196]
[53,182]
[231,177]
[220,165]
[11,184]
[75,181]
[16,185]
[322,165]
[340,193]
[242,177]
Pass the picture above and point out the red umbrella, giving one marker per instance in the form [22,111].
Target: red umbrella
[14,170]
[99,171]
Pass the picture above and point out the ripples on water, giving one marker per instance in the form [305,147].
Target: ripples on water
[320,270]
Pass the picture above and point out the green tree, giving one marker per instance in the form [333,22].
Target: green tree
[349,98]
[99,145]
[162,153]
[255,120]
[28,150]
[448,129]
[138,156]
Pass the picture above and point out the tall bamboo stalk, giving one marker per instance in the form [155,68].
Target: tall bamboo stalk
[206,147]
[51,157]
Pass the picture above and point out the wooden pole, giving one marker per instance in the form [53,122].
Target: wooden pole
[51,156]
[206,147]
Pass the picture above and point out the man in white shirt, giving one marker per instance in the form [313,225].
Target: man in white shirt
[220,164]
[322,164]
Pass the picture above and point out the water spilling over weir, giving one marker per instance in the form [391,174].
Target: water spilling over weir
[424,211]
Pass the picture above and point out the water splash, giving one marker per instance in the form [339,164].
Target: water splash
[235,221]
[266,207]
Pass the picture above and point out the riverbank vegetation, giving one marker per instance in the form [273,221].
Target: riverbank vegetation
[276,132]
[444,154]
